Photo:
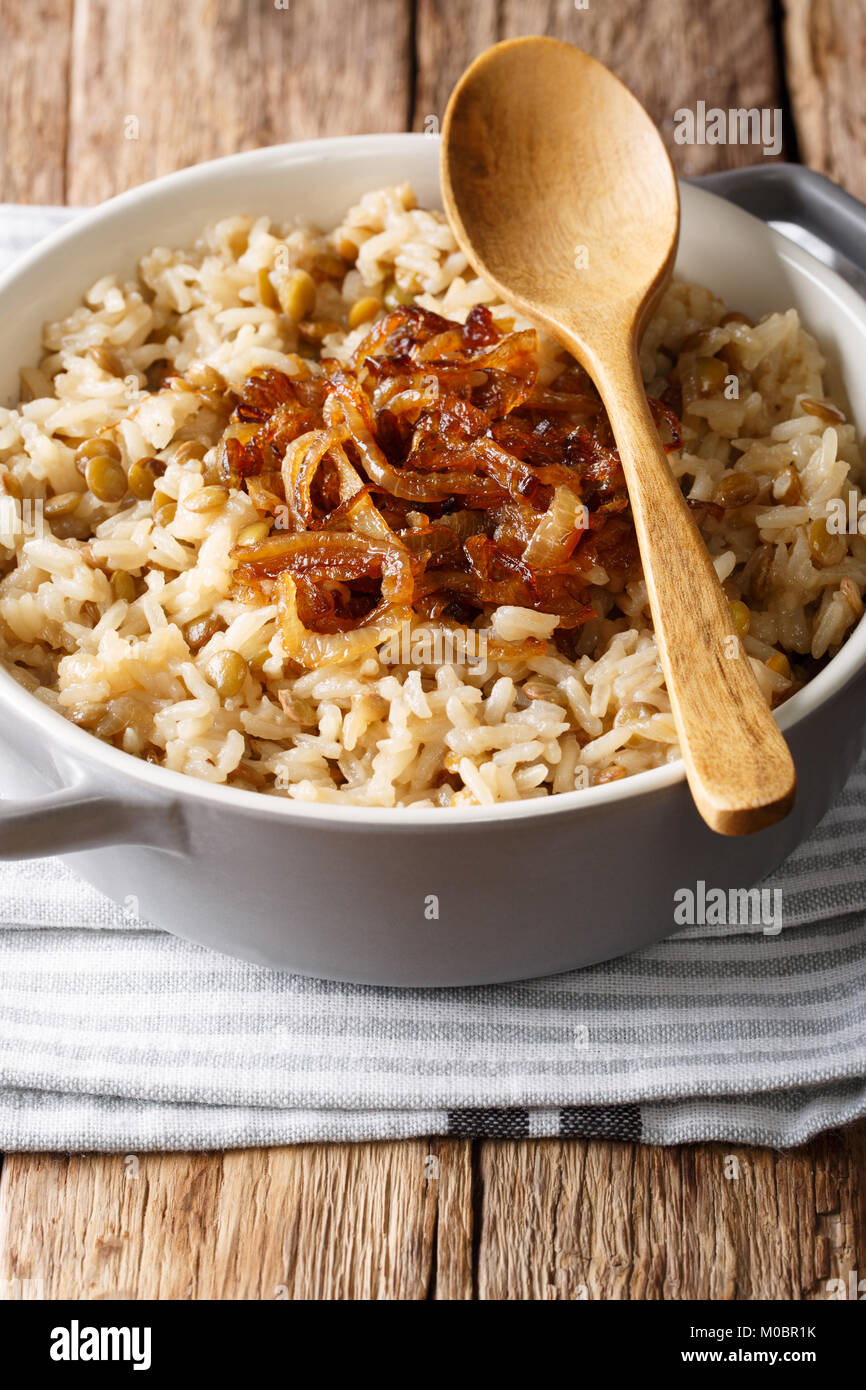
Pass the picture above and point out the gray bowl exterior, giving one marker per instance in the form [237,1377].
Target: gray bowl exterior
[410,905]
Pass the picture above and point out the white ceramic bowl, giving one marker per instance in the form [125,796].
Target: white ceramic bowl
[522,889]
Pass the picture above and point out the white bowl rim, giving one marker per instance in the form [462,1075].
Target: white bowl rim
[86,747]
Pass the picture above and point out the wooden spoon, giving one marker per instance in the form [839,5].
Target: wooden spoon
[561,193]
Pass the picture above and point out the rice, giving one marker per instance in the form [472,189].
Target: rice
[112,612]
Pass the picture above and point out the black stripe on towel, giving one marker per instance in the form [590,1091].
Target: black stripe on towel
[575,1122]
[480,1122]
[600,1122]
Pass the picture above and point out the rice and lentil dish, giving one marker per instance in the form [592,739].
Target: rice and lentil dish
[276,471]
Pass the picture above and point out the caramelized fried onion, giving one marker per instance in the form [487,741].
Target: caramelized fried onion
[434,475]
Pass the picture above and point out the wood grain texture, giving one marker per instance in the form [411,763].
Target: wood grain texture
[408,1221]
[157,86]
[621,1221]
[825,46]
[672,53]
[366,1221]
[35,41]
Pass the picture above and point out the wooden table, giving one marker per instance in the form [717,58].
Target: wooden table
[99,95]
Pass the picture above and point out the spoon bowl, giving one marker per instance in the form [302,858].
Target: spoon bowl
[517,155]
[561,193]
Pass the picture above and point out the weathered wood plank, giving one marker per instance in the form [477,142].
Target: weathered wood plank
[449,1166]
[157,86]
[672,53]
[617,1221]
[34,81]
[557,1220]
[825,47]
[364,1221]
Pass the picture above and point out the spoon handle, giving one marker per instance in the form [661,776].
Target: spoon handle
[738,765]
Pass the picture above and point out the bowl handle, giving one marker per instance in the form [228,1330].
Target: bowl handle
[792,196]
[74,819]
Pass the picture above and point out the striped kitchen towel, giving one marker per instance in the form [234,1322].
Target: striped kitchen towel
[116,1036]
